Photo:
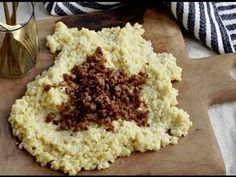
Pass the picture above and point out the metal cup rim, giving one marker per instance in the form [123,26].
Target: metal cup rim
[32,15]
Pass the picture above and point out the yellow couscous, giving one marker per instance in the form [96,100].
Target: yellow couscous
[96,148]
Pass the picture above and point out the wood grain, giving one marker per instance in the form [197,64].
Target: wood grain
[204,82]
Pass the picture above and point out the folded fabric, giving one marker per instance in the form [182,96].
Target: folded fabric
[74,8]
[213,23]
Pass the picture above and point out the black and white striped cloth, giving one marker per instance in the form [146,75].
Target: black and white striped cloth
[213,23]
[74,8]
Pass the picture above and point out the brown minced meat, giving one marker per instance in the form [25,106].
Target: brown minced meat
[100,95]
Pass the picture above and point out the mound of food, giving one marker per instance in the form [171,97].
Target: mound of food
[107,94]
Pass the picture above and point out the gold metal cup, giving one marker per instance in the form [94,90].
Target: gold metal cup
[19,48]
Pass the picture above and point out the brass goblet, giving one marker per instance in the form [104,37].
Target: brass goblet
[19,45]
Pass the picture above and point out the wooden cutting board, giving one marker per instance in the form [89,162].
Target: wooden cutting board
[204,82]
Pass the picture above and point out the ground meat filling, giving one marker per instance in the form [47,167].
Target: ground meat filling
[47,88]
[100,95]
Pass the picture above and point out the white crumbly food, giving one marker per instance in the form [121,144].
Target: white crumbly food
[95,148]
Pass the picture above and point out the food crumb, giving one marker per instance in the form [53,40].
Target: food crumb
[21,145]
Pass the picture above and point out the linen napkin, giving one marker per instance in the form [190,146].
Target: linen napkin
[212,23]
[74,8]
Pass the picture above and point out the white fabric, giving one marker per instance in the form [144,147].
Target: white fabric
[223,117]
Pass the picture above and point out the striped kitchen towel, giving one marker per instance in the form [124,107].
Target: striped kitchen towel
[213,23]
[74,8]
